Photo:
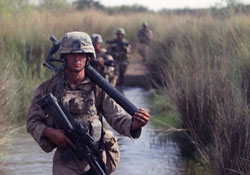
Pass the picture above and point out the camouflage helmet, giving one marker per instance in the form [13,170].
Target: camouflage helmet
[120,31]
[96,38]
[145,24]
[76,42]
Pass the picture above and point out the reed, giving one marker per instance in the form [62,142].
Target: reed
[204,68]
[201,62]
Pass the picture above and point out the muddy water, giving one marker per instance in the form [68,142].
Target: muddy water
[149,155]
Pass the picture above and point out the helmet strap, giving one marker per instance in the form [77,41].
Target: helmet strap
[87,60]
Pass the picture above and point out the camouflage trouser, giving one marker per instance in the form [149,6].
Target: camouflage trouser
[143,49]
[113,79]
[73,167]
[111,157]
[110,75]
[122,69]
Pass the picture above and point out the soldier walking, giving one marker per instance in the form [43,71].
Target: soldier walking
[144,36]
[87,103]
[120,48]
[104,62]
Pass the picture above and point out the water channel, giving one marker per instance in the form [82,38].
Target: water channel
[148,155]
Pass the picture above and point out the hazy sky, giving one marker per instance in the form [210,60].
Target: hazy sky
[170,4]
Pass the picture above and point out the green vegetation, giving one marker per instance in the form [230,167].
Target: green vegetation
[24,44]
[164,113]
[203,66]
[199,63]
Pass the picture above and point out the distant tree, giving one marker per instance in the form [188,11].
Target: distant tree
[86,4]
[232,3]
[125,9]
[53,4]
[8,7]
[185,11]
[224,9]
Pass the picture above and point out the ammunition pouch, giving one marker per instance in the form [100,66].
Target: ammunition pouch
[111,149]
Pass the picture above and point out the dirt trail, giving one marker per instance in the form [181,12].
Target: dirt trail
[136,72]
[136,65]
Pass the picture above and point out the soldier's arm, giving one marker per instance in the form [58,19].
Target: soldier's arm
[150,34]
[118,119]
[140,119]
[35,123]
[127,47]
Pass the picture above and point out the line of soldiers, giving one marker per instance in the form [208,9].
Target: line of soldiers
[113,61]
[89,105]
[104,62]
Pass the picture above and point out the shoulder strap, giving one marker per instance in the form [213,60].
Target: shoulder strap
[60,89]
[53,84]
[99,97]
[98,102]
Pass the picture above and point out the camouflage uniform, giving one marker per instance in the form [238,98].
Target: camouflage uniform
[144,36]
[83,103]
[119,49]
[108,72]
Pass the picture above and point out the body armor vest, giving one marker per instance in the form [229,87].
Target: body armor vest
[82,106]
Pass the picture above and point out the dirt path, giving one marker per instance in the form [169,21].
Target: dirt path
[136,71]
[136,65]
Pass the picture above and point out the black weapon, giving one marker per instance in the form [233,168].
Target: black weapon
[48,62]
[119,42]
[119,51]
[98,79]
[77,133]
[109,63]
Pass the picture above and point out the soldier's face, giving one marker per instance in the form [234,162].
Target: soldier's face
[75,62]
[98,46]
[120,36]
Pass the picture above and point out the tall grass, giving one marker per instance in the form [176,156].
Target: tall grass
[25,42]
[201,62]
[204,68]
[9,103]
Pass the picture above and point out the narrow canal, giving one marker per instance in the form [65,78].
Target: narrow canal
[148,155]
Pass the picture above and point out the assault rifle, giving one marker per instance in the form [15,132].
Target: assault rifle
[119,42]
[108,63]
[77,133]
[119,51]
